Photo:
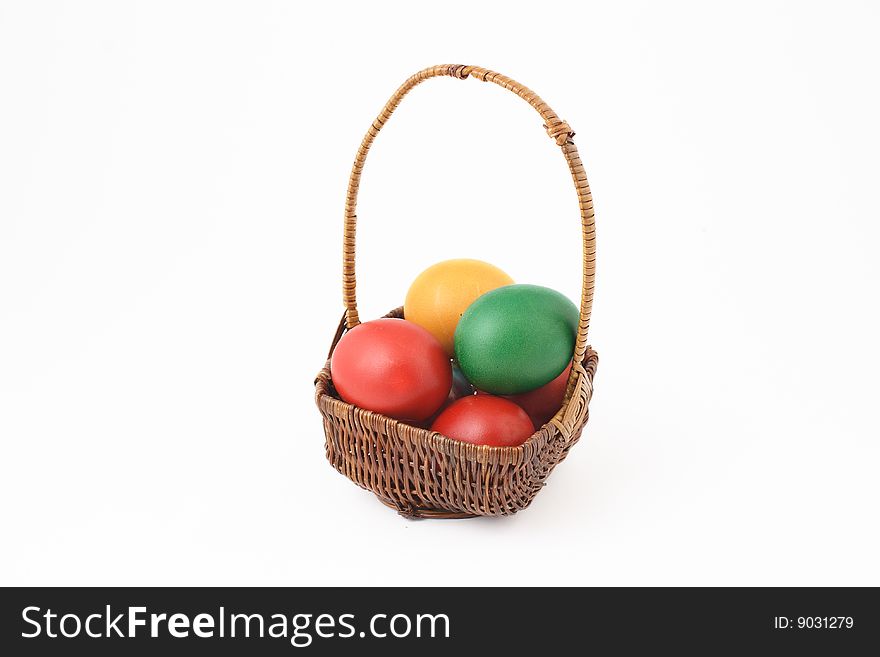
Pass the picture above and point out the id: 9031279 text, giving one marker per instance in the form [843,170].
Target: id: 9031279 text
[813,623]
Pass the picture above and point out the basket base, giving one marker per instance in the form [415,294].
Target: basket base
[412,513]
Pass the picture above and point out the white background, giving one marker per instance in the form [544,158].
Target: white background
[172,177]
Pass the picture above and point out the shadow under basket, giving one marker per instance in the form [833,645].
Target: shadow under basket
[422,473]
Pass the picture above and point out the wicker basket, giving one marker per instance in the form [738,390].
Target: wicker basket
[421,473]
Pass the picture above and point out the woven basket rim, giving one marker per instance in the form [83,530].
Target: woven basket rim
[326,398]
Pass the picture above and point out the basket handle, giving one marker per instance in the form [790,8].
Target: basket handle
[556,128]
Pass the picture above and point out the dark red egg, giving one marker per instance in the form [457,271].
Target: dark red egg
[542,403]
[485,420]
[393,367]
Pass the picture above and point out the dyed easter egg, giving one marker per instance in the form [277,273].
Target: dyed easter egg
[485,420]
[441,293]
[516,338]
[542,403]
[461,387]
[393,367]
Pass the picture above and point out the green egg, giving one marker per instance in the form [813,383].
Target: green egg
[516,338]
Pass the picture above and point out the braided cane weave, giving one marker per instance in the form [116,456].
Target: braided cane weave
[421,473]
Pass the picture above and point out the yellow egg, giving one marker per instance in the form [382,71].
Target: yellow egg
[441,293]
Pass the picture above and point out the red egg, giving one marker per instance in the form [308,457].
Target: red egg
[393,367]
[485,420]
[542,403]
